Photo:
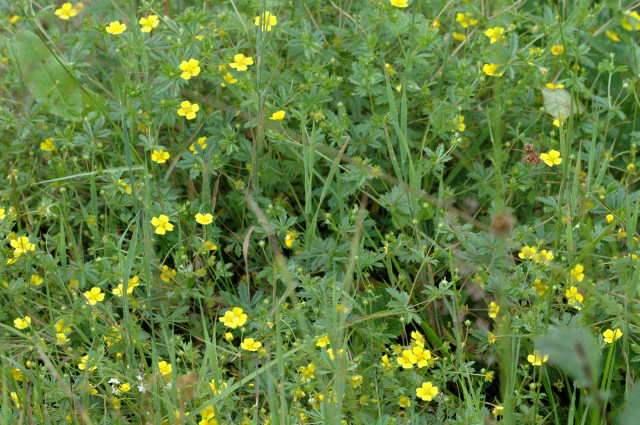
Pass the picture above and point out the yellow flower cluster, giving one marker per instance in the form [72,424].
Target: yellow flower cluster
[532,253]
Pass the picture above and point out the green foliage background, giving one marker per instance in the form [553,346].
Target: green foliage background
[401,174]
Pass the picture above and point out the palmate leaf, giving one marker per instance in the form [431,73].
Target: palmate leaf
[47,79]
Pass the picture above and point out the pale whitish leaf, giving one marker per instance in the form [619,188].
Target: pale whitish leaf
[558,103]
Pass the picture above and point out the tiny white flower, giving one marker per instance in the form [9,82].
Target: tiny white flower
[115,391]
[169,385]
[114,381]
[140,378]
[141,389]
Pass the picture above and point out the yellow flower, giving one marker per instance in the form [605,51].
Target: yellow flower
[422,356]
[66,11]
[577,273]
[17,374]
[574,298]
[633,24]
[167,273]
[322,342]
[268,20]
[612,36]
[94,295]
[543,256]
[290,238]
[331,355]
[307,372]
[417,339]
[460,126]
[490,69]
[21,323]
[389,68]
[210,246]
[119,290]
[165,368]
[495,34]
[551,158]
[611,335]
[148,23]
[125,187]
[116,28]
[201,141]
[62,327]
[427,391]
[557,49]
[132,283]
[240,62]
[162,224]
[399,3]
[228,336]
[356,380]
[609,218]
[83,365]
[16,399]
[386,363]
[48,145]
[498,410]
[234,318]
[36,280]
[250,345]
[537,359]
[188,110]
[465,20]
[491,338]
[125,387]
[2,213]
[458,36]
[540,287]
[21,245]
[404,401]
[407,360]
[61,338]
[229,78]
[552,86]
[204,218]
[160,156]
[493,310]
[189,69]
[216,390]
[277,116]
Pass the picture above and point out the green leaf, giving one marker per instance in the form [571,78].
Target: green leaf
[397,203]
[575,351]
[629,416]
[47,79]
